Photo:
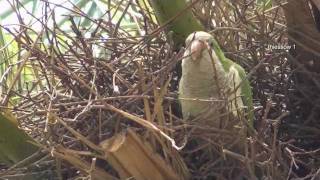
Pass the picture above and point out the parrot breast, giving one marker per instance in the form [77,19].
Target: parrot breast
[200,85]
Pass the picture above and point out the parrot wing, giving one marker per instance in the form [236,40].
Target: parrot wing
[246,92]
[238,76]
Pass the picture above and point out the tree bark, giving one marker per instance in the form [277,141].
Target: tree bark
[304,36]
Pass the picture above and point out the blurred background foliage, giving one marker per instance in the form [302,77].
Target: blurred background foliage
[82,12]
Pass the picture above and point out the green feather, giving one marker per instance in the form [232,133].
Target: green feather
[246,92]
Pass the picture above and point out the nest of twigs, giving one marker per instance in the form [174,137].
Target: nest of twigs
[95,82]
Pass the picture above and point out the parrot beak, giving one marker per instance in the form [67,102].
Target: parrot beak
[196,49]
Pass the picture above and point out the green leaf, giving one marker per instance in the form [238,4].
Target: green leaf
[15,144]
[91,12]
[264,4]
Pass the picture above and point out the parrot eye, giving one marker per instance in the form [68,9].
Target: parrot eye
[210,43]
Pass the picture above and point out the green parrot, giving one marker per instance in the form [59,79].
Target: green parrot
[210,81]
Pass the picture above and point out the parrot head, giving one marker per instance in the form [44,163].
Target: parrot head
[200,42]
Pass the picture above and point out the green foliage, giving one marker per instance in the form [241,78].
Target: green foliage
[10,54]
[264,4]
[5,59]
[15,144]
[9,64]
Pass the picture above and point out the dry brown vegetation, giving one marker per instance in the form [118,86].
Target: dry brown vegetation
[82,96]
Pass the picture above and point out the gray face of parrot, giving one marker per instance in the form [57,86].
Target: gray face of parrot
[199,46]
[200,59]
[196,48]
